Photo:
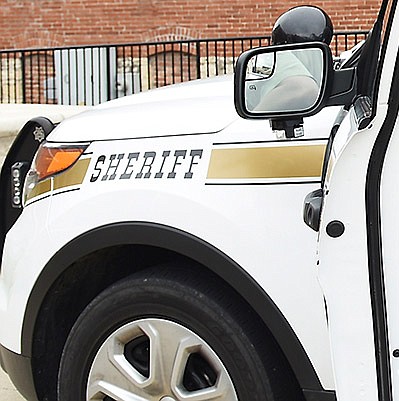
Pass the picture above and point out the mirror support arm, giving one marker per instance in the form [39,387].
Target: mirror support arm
[289,129]
[344,88]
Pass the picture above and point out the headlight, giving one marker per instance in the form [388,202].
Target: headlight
[51,159]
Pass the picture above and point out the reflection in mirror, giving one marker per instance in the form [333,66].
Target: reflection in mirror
[284,81]
[261,66]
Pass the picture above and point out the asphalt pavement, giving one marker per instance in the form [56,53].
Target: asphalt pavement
[7,390]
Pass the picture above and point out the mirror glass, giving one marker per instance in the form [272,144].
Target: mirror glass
[284,81]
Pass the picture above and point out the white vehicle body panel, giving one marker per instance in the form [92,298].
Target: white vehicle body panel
[255,220]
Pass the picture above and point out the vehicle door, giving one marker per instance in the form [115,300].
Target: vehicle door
[358,253]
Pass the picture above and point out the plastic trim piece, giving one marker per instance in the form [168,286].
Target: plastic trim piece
[141,233]
[18,367]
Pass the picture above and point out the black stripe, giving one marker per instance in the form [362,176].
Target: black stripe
[262,183]
[202,133]
[64,192]
[37,200]
[52,194]
[273,141]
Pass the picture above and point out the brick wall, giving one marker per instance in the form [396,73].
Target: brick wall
[49,23]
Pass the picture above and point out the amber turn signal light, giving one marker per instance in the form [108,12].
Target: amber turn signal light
[52,160]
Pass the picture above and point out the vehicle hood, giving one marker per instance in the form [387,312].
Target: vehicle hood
[197,107]
[202,106]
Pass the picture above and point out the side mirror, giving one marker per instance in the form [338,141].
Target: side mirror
[283,82]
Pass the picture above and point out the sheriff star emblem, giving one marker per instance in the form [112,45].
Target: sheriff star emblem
[38,133]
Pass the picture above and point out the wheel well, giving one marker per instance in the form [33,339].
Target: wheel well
[72,291]
[81,283]
[94,260]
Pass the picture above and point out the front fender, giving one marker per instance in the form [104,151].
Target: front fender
[169,238]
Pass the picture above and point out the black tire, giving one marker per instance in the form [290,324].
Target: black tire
[211,343]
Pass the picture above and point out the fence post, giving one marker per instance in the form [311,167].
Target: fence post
[198,56]
[23,83]
[108,69]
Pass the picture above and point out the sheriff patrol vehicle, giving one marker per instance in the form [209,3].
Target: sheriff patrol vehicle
[155,247]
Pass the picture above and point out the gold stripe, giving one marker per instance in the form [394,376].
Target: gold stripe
[268,162]
[40,188]
[73,176]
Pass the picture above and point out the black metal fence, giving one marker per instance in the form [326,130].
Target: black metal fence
[88,75]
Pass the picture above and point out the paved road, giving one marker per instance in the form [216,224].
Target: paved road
[7,390]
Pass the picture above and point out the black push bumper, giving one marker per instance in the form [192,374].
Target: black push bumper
[17,161]
[19,368]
